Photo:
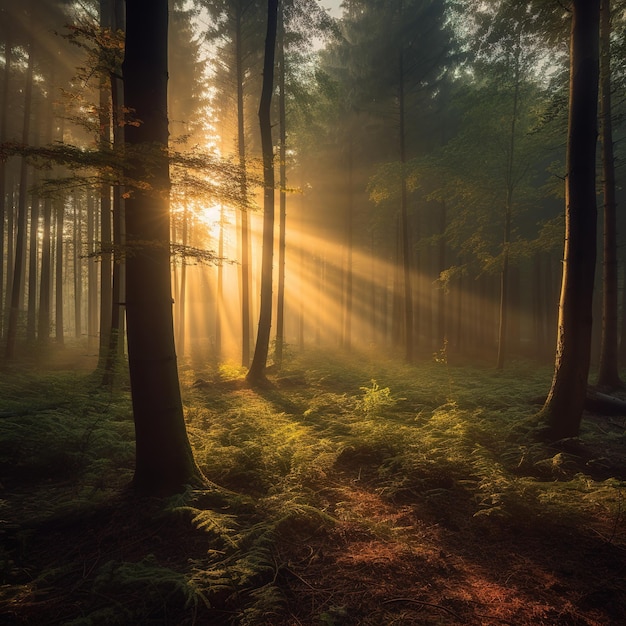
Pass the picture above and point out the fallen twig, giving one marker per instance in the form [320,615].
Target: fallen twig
[424,603]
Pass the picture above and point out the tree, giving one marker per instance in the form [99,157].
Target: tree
[256,372]
[17,285]
[563,408]
[237,29]
[608,374]
[164,462]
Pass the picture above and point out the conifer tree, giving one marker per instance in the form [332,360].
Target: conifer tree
[164,461]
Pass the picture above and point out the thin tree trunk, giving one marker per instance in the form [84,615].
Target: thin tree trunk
[608,375]
[116,333]
[280,302]
[59,322]
[78,273]
[106,232]
[180,346]
[256,373]
[10,255]
[219,304]
[404,213]
[17,286]
[245,234]
[92,273]
[508,208]
[43,319]
[3,175]
[349,278]
[33,262]
[45,281]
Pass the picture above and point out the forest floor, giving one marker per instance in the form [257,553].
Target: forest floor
[351,491]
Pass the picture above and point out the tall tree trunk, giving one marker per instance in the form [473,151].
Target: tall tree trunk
[78,268]
[17,286]
[45,281]
[245,218]
[404,213]
[59,322]
[608,375]
[180,346]
[219,300]
[564,405]
[10,255]
[43,317]
[508,208]
[441,266]
[3,190]
[106,213]
[346,341]
[256,373]
[33,262]
[116,331]
[164,460]
[92,273]
[280,301]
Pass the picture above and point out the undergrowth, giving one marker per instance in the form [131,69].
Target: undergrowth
[432,436]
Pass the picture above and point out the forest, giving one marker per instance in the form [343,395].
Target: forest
[312,313]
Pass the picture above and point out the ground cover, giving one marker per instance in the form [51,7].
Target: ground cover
[350,491]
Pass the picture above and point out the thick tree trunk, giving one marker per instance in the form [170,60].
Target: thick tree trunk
[164,462]
[608,375]
[256,373]
[564,405]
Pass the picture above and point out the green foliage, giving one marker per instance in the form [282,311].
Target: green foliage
[140,591]
[376,400]
[288,461]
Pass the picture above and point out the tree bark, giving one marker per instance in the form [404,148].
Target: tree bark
[564,405]
[280,301]
[17,286]
[106,214]
[508,209]
[608,375]
[404,213]
[256,373]
[245,219]
[58,272]
[3,136]
[116,327]
[164,461]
